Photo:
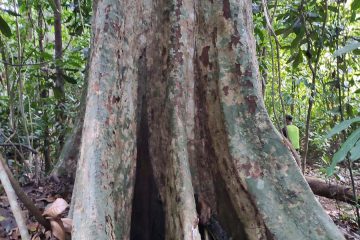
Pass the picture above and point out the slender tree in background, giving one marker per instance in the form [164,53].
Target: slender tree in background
[20,79]
[313,61]
[174,107]
[44,92]
[59,80]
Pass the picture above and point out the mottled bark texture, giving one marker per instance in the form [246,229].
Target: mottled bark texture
[174,88]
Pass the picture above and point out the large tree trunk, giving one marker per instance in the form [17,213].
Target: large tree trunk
[174,87]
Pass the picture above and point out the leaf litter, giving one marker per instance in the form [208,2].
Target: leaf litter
[343,214]
[52,198]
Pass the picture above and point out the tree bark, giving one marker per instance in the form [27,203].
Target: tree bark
[23,197]
[14,205]
[174,87]
[44,94]
[59,81]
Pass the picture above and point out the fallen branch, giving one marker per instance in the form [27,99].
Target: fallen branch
[12,144]
[24,198]
[15,208]
[322,188]
[18,145]
[330,190]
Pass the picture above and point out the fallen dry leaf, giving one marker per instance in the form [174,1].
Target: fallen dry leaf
[36,237]
[56,208]
[57,229]
[48,235]
[67,222]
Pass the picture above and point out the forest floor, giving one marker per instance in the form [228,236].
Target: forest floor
[43,194]
[343,214]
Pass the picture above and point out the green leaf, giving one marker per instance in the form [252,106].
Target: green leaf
[58,94]
[332,8]
[52,5]
[46,56]
[340,155]
[353,16]
[298,59]
[349,109]
[347,48]
[342,126]
[296,41]
[69,79]
[286,31]
[355,152]
[259,33]
[355,5]
[4,27]
[298,27]
[73,63]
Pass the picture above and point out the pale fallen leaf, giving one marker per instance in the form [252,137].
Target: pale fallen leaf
[56,208]
[67,222]
[3,198]
[36,237]
[57,229]
[48,235]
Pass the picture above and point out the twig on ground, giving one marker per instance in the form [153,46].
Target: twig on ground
[18,145]
[11,143]
[24,198]
[15,208]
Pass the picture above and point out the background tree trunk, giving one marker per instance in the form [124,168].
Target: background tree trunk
[173,86]
[59,81]
[44,94]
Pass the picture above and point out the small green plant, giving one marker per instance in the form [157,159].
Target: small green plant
[350,148]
